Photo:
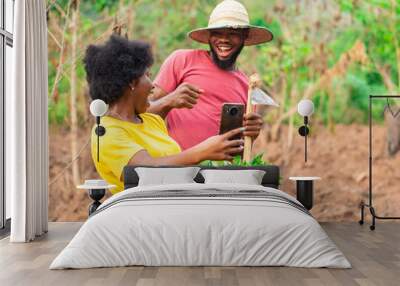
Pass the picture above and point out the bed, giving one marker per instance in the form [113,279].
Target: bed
[201,224]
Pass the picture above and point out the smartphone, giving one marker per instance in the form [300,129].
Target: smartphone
[231,118]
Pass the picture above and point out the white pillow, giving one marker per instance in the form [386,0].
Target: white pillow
[166,176]
[248,177]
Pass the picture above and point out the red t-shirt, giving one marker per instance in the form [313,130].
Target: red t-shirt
[192,126]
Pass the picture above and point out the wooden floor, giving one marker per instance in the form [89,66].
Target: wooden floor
[375,257]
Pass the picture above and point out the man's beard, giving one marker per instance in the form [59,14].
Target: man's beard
[227,64]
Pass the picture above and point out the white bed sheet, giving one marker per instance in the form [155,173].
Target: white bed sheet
[200,232]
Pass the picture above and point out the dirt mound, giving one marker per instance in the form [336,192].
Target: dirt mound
[339,158]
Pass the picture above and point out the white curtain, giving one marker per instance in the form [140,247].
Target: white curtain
[26,124]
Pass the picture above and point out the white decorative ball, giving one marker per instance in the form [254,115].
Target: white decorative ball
[305,107]
[98,107]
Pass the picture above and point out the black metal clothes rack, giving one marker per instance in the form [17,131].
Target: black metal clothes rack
[370,205]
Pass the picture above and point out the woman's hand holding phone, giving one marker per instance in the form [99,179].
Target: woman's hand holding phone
[221,147]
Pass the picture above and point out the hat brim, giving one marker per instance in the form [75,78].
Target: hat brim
[257,35]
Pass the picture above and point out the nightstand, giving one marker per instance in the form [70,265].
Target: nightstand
[96,191]
[304,190]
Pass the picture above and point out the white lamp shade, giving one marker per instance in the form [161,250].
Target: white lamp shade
[305,107]
[98,107]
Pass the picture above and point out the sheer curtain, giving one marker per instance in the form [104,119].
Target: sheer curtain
[26,124]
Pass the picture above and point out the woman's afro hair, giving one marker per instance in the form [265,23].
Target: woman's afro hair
[111,67]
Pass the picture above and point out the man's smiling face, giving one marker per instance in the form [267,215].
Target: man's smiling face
[226,44]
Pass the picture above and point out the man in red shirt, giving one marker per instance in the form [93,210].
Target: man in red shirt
[192,85]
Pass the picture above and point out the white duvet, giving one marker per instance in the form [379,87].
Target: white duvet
[188,231]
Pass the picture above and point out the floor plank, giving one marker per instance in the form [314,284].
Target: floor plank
[375,257]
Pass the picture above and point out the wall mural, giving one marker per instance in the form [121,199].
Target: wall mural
[335,53]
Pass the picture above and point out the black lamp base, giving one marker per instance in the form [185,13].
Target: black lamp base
[96,195]
[100,130]
[304,131]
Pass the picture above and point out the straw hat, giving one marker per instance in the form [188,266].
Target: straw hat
[232,14]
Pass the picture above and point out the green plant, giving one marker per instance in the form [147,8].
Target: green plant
[237,161]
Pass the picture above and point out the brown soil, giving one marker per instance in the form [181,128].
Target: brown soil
[340,158]
[66,203]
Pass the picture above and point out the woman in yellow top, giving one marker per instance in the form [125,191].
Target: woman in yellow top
[118,73]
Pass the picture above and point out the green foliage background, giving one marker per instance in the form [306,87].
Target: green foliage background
[310,38]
